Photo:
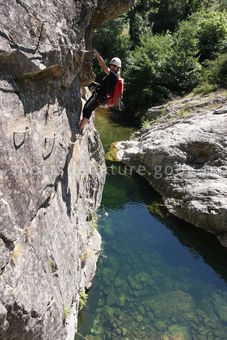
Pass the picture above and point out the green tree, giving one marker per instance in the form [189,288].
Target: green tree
[138,21]
[214,74]
[145,72]
[161,15]
[183,68]
[211,30]
[170,12]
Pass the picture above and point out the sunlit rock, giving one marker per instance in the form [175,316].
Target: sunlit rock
[183,156]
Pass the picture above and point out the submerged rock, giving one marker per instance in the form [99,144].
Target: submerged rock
[177,332]
[171,305]
[183,155]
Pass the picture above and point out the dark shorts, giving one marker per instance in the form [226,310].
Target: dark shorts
[92,103]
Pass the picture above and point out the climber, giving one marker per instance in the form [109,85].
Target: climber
[107,92]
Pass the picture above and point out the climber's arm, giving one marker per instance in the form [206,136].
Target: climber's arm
[101,62]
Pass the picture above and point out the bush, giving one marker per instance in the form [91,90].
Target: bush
[204,88]
[161,65]
[214,75]
[171,63]
[145,72]
[83,298]
[216,71]
[183,68]
[211,31]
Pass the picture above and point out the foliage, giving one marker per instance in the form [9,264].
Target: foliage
[222,5]
[211,31]
[94,220]
[83,299]
[216,71]
[84,256]
[172,62]
[138,21]
[183,68]
[214,74]
[66,312]
[204,88]
[170,12]
[146,124]
[161,65]
[146,71]
[160,15]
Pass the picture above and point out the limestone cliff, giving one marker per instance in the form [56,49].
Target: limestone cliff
[51,178]
[183,155]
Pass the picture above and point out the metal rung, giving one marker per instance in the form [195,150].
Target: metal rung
[26,130]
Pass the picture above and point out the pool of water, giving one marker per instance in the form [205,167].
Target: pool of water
[157,277]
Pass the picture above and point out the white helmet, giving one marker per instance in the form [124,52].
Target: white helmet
[116,61]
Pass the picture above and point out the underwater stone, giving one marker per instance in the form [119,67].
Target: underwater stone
[222,313]
[108,229]
[111,300]
[160,325]
[122,300]
[124,331]
[172,305]
[99,330]
[142,310]
[131,281]
[118,331]
[118,282]
[178,332]
[139,318]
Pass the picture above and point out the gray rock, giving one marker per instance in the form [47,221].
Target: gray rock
[185,160]
[221,110]
[51,177]
[5,255]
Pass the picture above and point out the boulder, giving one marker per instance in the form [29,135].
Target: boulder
[183,155]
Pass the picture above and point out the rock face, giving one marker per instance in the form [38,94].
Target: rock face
[51,178]
[183,155]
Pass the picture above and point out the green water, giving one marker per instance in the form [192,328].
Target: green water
[158,277]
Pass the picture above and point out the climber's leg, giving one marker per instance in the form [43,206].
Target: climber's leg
[92,104]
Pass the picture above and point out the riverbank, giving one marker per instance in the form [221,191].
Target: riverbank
[183,155]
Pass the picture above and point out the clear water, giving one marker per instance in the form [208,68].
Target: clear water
[158,277]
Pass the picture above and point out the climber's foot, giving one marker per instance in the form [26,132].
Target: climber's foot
[83,123]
